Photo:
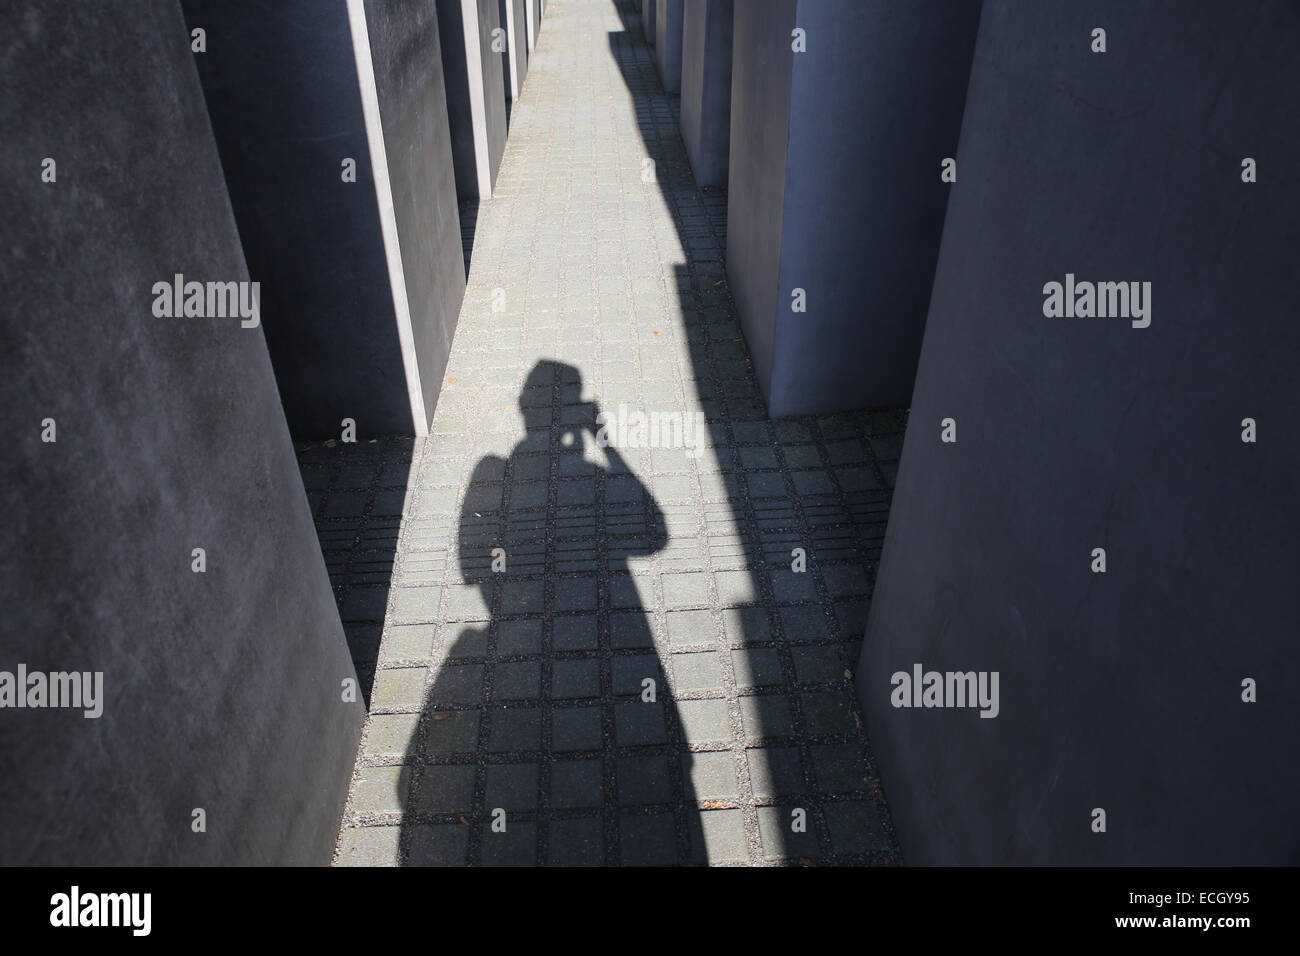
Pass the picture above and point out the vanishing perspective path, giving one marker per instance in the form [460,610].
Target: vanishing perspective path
[638,654]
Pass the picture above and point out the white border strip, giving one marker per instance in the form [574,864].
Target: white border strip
[387,217]
[477,96]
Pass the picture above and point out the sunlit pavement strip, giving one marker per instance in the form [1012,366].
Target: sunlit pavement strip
[507,721]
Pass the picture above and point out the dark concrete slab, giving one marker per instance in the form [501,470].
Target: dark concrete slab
[285,106]
[221,690]
[1121,690]
[706,88]
[476,93]
[850,135]
[405,46]
[668,49]
[649,20]
[760,132]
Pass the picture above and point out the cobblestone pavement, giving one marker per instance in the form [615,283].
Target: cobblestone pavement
[647,679]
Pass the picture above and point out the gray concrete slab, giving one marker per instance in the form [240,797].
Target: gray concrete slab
[285,95]
[706,88]
[513,19]
[1120,690]
[668,48]
[421,179]
[476,93]
[224,737]
[835,189]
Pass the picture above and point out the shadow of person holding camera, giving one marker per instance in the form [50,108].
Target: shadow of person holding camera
[550,735]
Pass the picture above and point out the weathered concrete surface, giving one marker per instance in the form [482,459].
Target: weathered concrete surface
[222,689]
[668,49]
[513,19]
[1119,690]
[285,105]
[849,135]
[404,42]
[476,93]
[706,88]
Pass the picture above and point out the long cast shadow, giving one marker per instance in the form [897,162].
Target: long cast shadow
[357,493]
[564,667]
[790,484]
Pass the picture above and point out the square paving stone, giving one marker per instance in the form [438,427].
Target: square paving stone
[418,605]
[465,602]
[643,780]
[444,844]
[700,671]
[639,723]
[578,678]
[765,484]
[780,842]
[648,840]
[370,846]
[844,580]
[790,585]
[577,842]
[381,789]
[855,828]
[575,632]
[712,776]
[529,494]
[522,597]
[747,624]
[408,643]
[390,734]
[840,767]
[630,670]
[576,728]
[766,716]
[365,604]
[630,629]
[448,732]
[775,772]
[818,663]
[577,783]
[445,789]
[756,667]
[829,713]
[457,684]
[519,637]
[515,729]
[691,627]
[630,591]
[468,642]
[400,688]
[512,787]
[735,588]
[686,589]
[704,721]
[760,456]
[516,680]
[723,836]
[517,846]
[804,624]
[575,594]
[808,483]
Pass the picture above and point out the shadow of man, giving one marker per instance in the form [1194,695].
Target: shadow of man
[550,735]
